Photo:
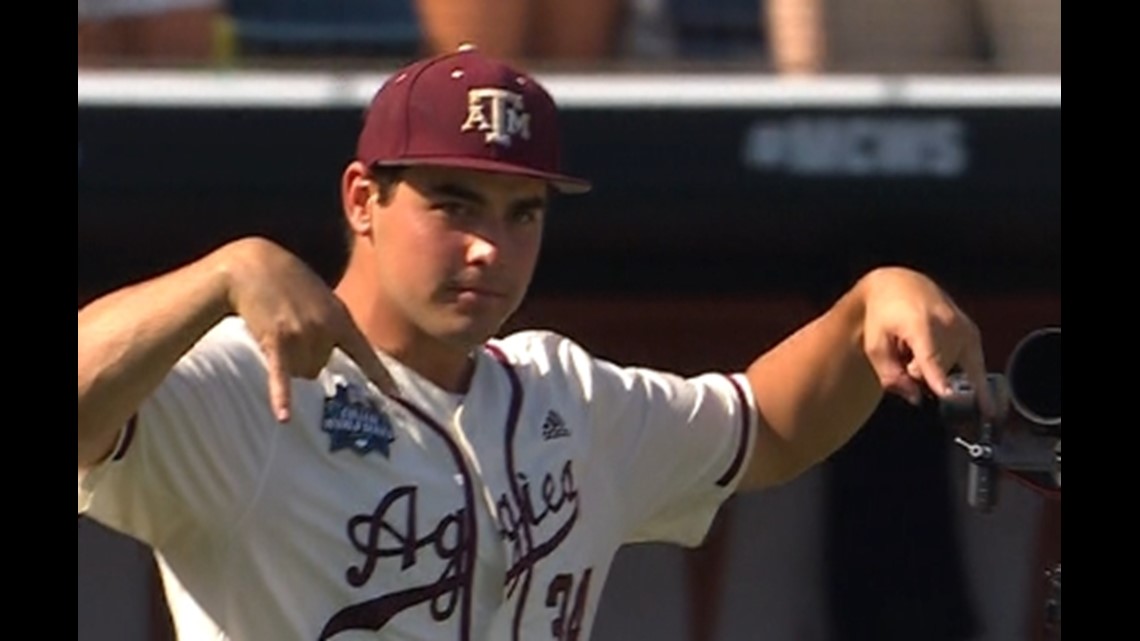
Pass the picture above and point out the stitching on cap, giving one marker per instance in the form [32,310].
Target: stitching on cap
[412,80]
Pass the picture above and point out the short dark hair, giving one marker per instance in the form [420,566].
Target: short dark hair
[386,179]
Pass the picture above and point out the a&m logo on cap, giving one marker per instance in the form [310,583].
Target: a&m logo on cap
[498,113]
[353,420]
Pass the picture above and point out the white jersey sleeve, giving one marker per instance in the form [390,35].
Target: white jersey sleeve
[192,456]
[674,447]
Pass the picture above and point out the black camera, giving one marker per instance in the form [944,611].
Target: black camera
[1028,393]
[1030,387]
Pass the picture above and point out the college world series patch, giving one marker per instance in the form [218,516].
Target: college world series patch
[353,420]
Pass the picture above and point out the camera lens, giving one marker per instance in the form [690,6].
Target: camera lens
[1034,375]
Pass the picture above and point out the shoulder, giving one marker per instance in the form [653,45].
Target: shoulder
[227,344]
[228,335]
[541,350]
[546,357]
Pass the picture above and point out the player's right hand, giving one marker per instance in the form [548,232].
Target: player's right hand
[295,318]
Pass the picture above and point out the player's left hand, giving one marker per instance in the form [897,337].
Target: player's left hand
[914,334]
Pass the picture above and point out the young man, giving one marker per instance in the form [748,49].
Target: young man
[310,464]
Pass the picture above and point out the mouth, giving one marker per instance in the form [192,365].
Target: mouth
[475,292]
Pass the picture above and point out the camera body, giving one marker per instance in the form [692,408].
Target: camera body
[1030,387]
[1027,394]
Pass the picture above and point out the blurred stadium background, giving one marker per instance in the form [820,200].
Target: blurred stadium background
[750,157]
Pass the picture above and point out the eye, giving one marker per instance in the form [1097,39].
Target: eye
[455,209]
[527,215]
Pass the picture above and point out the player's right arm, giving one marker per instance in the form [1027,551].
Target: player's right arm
[131,338]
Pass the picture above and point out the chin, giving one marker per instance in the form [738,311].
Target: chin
[466,328]
[468,335]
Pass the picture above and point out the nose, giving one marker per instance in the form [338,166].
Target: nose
[483,248]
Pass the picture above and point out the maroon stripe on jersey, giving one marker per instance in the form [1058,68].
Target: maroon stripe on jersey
[128,437]
[745,428]
[512,478]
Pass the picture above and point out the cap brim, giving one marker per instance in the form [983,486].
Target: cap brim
[563,183]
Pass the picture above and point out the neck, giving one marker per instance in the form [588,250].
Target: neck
[448,366]
[451,370]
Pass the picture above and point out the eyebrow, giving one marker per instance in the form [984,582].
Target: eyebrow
[460,192]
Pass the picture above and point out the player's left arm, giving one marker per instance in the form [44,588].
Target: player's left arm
[894,331]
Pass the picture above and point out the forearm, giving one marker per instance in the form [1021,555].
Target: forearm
[813,391]
[130,339]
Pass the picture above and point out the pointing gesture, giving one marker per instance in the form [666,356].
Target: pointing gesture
[914,335]
[296,320]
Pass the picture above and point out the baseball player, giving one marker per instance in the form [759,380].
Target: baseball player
[374,461]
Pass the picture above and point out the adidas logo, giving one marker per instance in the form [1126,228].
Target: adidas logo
[554,426]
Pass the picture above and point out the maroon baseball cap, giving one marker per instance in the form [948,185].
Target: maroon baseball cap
[470,111]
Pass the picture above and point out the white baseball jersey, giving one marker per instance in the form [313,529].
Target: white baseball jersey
[495,515]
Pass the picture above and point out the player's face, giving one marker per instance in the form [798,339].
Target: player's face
[457,249]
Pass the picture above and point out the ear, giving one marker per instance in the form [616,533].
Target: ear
[356,190]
